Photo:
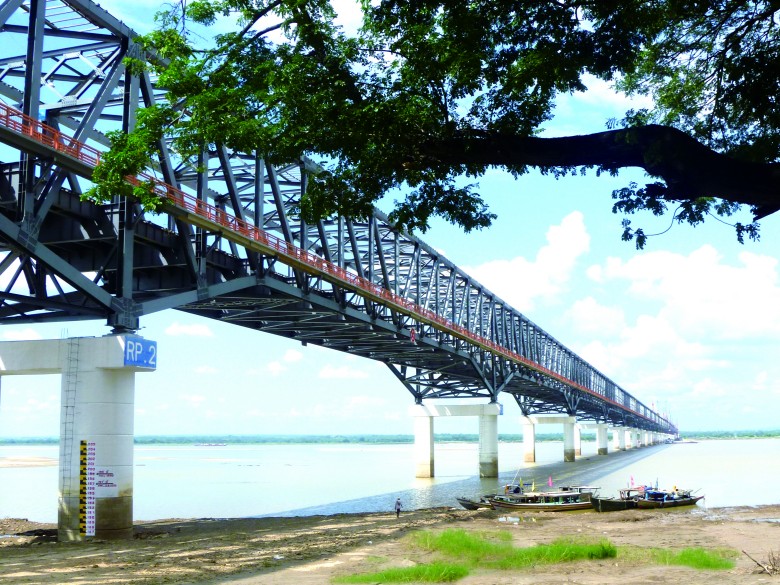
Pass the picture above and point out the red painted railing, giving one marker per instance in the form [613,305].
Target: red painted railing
[16,121]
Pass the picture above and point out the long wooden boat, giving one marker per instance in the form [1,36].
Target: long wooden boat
[669,502]
[542,501]
[470,504]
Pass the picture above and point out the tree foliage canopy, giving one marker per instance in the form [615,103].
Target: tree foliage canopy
[432,91]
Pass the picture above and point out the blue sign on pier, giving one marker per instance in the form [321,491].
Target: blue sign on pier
[140,352]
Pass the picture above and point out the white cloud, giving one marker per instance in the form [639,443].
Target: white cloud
[275,368]
[292,356]
[703,297]
[206,370]
[588,316]
[520,282]
[331,372]
[27,334]
[190,330]
[194,400]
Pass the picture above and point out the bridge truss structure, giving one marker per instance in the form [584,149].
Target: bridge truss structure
[229,245]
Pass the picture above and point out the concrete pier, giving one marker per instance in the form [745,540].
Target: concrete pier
[568,439]
[577,440]
[619,438]
[96,425]
[529,435]
[488,435]
[601,440]
[529,439]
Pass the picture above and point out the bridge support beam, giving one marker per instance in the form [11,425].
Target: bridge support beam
[577,440]
[529,439]
[629,438]
[568,440]
[488,435]
[569,423]
[96,428]
[601,440]
[619,438]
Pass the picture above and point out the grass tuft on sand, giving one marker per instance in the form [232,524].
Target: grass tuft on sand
[494,550]
[697,558]
[428,573]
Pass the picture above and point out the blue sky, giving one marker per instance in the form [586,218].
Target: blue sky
[691,324]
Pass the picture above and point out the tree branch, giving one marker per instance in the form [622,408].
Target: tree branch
[689,168]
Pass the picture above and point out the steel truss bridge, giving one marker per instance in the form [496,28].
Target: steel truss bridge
[229,246]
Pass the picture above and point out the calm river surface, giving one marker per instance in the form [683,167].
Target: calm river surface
[258,480]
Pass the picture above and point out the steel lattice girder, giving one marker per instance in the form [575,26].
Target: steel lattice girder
[61,61]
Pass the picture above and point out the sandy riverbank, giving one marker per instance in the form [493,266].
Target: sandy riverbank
[311,550]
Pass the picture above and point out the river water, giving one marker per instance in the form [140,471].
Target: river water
[259,480]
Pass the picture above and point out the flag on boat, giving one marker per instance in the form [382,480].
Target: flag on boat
[549,481]
[632,481]
[533,486]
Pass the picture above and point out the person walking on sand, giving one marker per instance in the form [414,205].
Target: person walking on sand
[398,507]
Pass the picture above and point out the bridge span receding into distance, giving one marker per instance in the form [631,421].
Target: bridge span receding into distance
[228,245]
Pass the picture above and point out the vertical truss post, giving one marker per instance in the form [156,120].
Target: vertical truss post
[31,100]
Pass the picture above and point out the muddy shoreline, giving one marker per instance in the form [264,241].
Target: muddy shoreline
[313,549]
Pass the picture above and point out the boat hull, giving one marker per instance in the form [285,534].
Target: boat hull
[515,505]
[473,504]
[652,504]
[612,504]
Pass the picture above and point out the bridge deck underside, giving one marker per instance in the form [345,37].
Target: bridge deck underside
[281,309]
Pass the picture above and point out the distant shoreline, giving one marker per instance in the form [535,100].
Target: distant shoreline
[363,439]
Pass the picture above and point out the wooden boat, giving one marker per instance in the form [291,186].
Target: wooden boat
[557,501]
[470,504]
[663,499]
[626,500]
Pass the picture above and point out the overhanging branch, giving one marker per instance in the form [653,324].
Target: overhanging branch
[689,168]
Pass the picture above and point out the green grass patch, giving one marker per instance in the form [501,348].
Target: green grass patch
[429,573]
[697,558]
[494,550]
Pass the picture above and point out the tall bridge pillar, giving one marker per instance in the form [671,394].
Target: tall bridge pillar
[96,425]
[488,435]
[619,438]
[577,440]
[569,423]
[529,439]
[629,438]
[601,440]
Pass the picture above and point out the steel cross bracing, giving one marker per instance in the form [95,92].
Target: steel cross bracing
[359,287]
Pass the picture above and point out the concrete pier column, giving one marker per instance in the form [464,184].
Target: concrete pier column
[577,440]
[529,439]
[601,439]
[488,434]
[615,438]
[96,425]
[568,439]
[621,437]
[423,445]
[568,423]
[630,439]
[638,438]
[103,430]
[488,445]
